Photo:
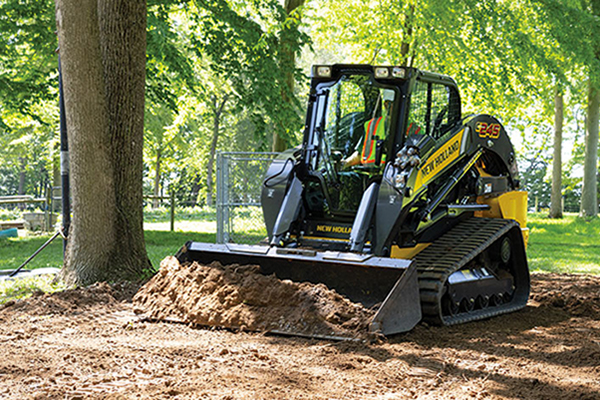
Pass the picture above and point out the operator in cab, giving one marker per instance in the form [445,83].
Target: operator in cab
[375,129]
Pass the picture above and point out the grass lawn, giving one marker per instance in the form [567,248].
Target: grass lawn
[563,245]
[159,244]
[566,245]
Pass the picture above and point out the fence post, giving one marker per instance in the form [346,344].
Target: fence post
[220,219]
[172,210]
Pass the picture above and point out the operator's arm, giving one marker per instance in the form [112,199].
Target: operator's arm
[352,160]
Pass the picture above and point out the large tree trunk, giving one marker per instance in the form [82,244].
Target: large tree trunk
[102,44]
[123,44]
[556,196]
[217,113]
[589,195]
[287,60]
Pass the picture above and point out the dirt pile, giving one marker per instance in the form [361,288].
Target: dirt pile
[240,297]
[88,344]
[579,295]
[74,300]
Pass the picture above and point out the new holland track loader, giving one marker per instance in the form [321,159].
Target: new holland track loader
[427,222]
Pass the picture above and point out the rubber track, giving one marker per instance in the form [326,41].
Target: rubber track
[451,252]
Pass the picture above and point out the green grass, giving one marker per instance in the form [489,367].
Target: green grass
[161,244]
[22,288]
[14,251]
[564,245]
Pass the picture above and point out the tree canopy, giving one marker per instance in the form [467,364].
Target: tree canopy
[232,75]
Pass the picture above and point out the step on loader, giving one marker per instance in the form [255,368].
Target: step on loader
[396,200]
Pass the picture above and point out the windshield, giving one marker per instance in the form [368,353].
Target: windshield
[353,119]
[354,106]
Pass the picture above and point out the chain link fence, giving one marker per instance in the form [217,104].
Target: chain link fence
[239,181]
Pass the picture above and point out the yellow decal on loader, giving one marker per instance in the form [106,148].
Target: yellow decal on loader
[439,160]
[334,229]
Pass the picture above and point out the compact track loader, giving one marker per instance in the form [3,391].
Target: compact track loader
[395,200]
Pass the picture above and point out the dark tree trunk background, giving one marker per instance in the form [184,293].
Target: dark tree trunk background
[556,195]
[589,192]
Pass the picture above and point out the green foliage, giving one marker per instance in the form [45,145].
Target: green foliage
[247,49]
[9,214]
[168,67]
[27,58]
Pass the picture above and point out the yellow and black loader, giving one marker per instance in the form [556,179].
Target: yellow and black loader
[430,224]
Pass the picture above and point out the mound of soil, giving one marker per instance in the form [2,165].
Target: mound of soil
[240,297]
[579,295]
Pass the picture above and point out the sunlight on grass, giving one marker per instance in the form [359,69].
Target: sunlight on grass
[568,245]
[25,287]
[14,251]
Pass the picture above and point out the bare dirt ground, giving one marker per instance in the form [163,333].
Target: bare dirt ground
[88,343]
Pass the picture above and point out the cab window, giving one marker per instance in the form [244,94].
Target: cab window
[434,109]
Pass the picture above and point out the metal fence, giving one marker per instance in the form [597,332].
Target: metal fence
[239,182]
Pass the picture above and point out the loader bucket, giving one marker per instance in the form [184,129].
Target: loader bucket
[389,285]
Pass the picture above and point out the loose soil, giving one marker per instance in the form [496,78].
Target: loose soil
[88,343]
[240,297]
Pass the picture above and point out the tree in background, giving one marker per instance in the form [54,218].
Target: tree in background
[589,194]
[103,53]
[506,56]
[254,44]
[289,47]
[556,197]
[576,29]
[160,140]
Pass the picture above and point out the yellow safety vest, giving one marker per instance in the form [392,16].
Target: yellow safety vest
[374,130]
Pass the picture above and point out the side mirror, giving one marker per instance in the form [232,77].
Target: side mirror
[378,152]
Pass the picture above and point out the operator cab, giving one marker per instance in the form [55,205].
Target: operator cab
[359,117]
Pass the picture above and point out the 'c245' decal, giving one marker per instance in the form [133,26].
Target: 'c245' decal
[491,131]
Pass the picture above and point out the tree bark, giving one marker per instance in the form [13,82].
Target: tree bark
[407,35]
[102,44]
[589,195]
[217,113]
[556,196]
[287,60]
